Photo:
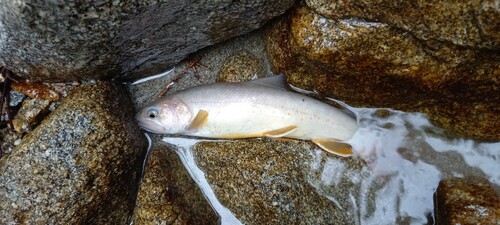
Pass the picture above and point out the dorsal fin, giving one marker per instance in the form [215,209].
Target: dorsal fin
[276,81]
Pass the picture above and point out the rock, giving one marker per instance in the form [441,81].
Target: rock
[372,64]
[242,66]
[168,195]
[36,90]
[60,41]
[268,182]
[81,165]
[466,201]
[31,113]
[463,23]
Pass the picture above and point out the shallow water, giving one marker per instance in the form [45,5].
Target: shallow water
[406,157]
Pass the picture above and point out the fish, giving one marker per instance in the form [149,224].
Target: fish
[263,107]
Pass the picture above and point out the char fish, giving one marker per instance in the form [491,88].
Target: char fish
[259,108]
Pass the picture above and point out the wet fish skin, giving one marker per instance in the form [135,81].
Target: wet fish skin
[257,108]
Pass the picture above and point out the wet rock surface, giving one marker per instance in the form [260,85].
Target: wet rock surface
[80,165]
[267,181]
[242,66]
[61,41]
[168,195]
[373,64]
[464,23]
[466,201]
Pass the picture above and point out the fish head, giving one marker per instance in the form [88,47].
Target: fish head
[168,116]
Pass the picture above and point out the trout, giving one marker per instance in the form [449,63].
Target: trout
[259,108]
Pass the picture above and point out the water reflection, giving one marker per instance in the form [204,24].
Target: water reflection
[407,157]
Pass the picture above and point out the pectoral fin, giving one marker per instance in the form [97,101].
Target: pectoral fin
[280,132]
[200,120]
[333,146]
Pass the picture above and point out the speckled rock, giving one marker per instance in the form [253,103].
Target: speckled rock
[168,195]
[466,201]
[81,165]
[73,40]
[242,66]
[269,182]
[372,64]
[465,23]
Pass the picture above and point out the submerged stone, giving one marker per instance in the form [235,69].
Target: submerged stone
[466,201]
[81,165]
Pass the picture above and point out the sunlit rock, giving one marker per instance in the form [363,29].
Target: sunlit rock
[375,64]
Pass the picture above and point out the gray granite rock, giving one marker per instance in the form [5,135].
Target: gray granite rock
[168,195]
[71,40]
[271,182]
[81,165]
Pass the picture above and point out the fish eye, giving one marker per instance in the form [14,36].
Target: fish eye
[152,112]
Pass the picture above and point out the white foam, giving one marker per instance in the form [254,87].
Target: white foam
[184,150]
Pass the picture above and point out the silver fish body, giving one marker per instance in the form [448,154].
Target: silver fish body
[246,110]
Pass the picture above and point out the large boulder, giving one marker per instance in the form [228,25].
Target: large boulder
[81,165]
[66,40]
[375,64]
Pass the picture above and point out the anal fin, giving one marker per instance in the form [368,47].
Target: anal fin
[200,120]
[333,146]
[280,132]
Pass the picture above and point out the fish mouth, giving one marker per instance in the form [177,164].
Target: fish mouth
[149,125]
